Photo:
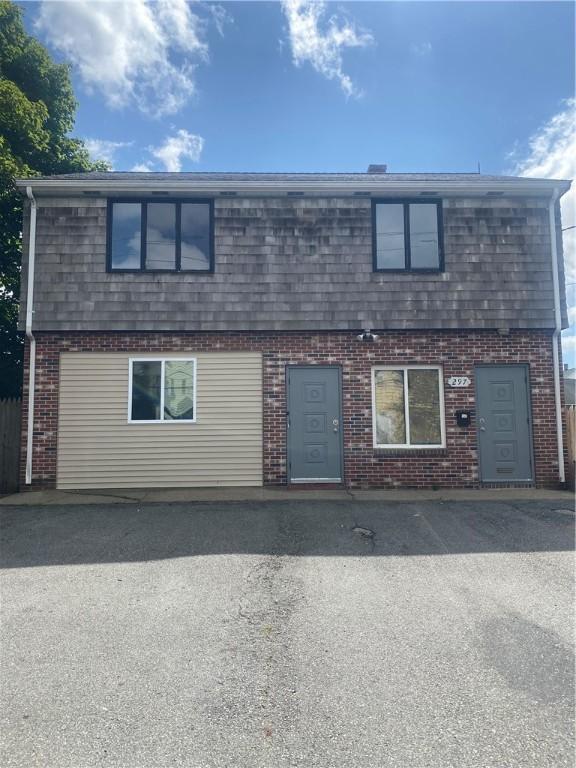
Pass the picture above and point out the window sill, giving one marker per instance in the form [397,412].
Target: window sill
[161,421]
[410,451]
[408,271]
[160,271]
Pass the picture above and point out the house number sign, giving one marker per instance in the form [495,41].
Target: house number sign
[458,381]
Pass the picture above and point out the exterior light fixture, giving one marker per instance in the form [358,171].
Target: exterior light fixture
[367,335]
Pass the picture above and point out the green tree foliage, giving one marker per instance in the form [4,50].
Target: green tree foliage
[37,109]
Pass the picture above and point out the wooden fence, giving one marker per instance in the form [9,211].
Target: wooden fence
[9,445]
[570,412]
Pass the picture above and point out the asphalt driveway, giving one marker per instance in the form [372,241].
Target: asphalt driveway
[276,634]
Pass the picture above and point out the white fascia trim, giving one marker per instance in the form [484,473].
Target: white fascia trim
[388,187]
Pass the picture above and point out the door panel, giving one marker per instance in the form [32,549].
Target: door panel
[503,419]
[314,424]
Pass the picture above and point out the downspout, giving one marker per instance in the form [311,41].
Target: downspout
[29,336]
[556,334]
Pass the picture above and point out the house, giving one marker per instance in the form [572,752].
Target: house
[215,329]
[569,385]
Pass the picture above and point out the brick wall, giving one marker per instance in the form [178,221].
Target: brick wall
[456,351]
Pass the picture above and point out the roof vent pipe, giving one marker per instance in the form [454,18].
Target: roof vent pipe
[377,168]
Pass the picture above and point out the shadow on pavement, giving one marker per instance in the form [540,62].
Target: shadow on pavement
[52,535]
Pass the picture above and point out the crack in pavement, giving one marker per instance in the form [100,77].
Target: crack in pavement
[271,595]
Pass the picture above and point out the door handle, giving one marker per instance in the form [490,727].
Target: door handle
[482,423]
[335,424]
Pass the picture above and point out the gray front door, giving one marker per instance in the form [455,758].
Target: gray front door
[503,422]
[314,424]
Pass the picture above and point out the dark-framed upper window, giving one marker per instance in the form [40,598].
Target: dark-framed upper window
[407,235]
[151,235]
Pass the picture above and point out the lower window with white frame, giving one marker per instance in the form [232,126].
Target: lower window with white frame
[162,389]
[408,407]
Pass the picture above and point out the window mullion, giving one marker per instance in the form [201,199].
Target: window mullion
[406,409]
[144,218]
[407,260]
[162,377]
[178,234]
[440,235]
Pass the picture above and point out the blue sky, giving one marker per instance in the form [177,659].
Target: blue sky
[297,86]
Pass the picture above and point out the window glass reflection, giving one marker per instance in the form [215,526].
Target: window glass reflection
[390,415]
[146,383]
[126,235]
[161,236]
[424,236]
[195,236]
[390,253]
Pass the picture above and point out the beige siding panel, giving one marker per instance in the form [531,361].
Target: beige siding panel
[99,448]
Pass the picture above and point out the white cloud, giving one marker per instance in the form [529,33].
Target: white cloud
[569,335]
[141,168]
[568,343]
[102,149]
[320,41]
[421,49]
[220,17]
[182,145]
[135,52]
[552,154]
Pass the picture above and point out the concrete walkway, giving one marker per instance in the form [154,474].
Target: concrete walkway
[167,495]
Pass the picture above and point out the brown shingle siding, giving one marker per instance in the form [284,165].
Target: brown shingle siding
[298,264]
